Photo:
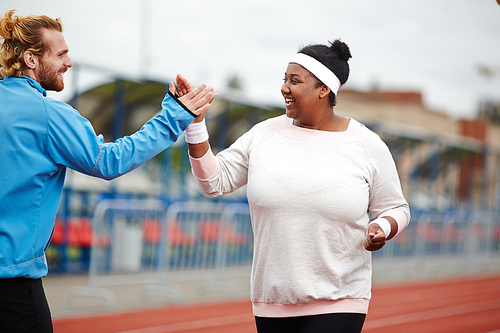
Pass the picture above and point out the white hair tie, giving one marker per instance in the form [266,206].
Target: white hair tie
[319,70]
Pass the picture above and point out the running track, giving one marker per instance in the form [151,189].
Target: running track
[458,306]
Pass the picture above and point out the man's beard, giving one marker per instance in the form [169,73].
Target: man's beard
[48,78]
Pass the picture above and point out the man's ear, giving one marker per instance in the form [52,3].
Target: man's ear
[30,59]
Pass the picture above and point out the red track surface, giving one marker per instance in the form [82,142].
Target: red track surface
[458,306]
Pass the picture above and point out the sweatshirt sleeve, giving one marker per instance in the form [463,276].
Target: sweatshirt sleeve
[72,141]
[386,195]
[226,172]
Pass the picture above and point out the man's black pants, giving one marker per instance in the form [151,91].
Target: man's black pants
[23,306]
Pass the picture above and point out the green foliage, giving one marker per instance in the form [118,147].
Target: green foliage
[234,82]
[490,110]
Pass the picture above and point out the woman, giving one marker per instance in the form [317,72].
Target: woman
[314,179]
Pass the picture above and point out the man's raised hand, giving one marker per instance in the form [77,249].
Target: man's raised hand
[199,97]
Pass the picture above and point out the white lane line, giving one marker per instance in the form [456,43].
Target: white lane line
[440,292]
[433,314]
[190,325]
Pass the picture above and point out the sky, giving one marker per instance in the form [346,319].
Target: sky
[429,46]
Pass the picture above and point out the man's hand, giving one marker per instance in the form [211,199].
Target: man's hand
[184,88]
[375,238]
[197,100]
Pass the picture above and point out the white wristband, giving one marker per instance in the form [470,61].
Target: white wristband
[384,225]
[197,132]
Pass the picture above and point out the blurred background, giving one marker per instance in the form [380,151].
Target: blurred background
[425,75]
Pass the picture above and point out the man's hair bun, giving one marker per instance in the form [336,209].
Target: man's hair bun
[7,24]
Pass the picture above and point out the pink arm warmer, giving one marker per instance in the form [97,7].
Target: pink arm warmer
[205,166]
[398,215]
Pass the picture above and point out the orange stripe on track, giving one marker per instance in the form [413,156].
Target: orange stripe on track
[459,305]
[197,324]
[464,305]
[173,318]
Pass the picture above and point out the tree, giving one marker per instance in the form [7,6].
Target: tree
[490,109]
[234,82]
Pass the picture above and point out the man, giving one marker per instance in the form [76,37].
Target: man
[41,137]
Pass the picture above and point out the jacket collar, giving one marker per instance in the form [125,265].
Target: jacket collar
[34,83]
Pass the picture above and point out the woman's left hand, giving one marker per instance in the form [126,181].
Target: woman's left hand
[375,238]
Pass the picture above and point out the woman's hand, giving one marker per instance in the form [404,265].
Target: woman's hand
[375,238]
[183,85]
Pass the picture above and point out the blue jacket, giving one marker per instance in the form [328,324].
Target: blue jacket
[39,138]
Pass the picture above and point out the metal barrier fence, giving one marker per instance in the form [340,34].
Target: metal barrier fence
[149,244]
[449,233]
[146,243]
[120,237]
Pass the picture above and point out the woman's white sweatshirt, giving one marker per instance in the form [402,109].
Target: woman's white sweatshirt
[311,195]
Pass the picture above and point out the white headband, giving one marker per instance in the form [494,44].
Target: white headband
[319,70]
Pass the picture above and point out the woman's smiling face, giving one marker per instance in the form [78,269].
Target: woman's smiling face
[300,92]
